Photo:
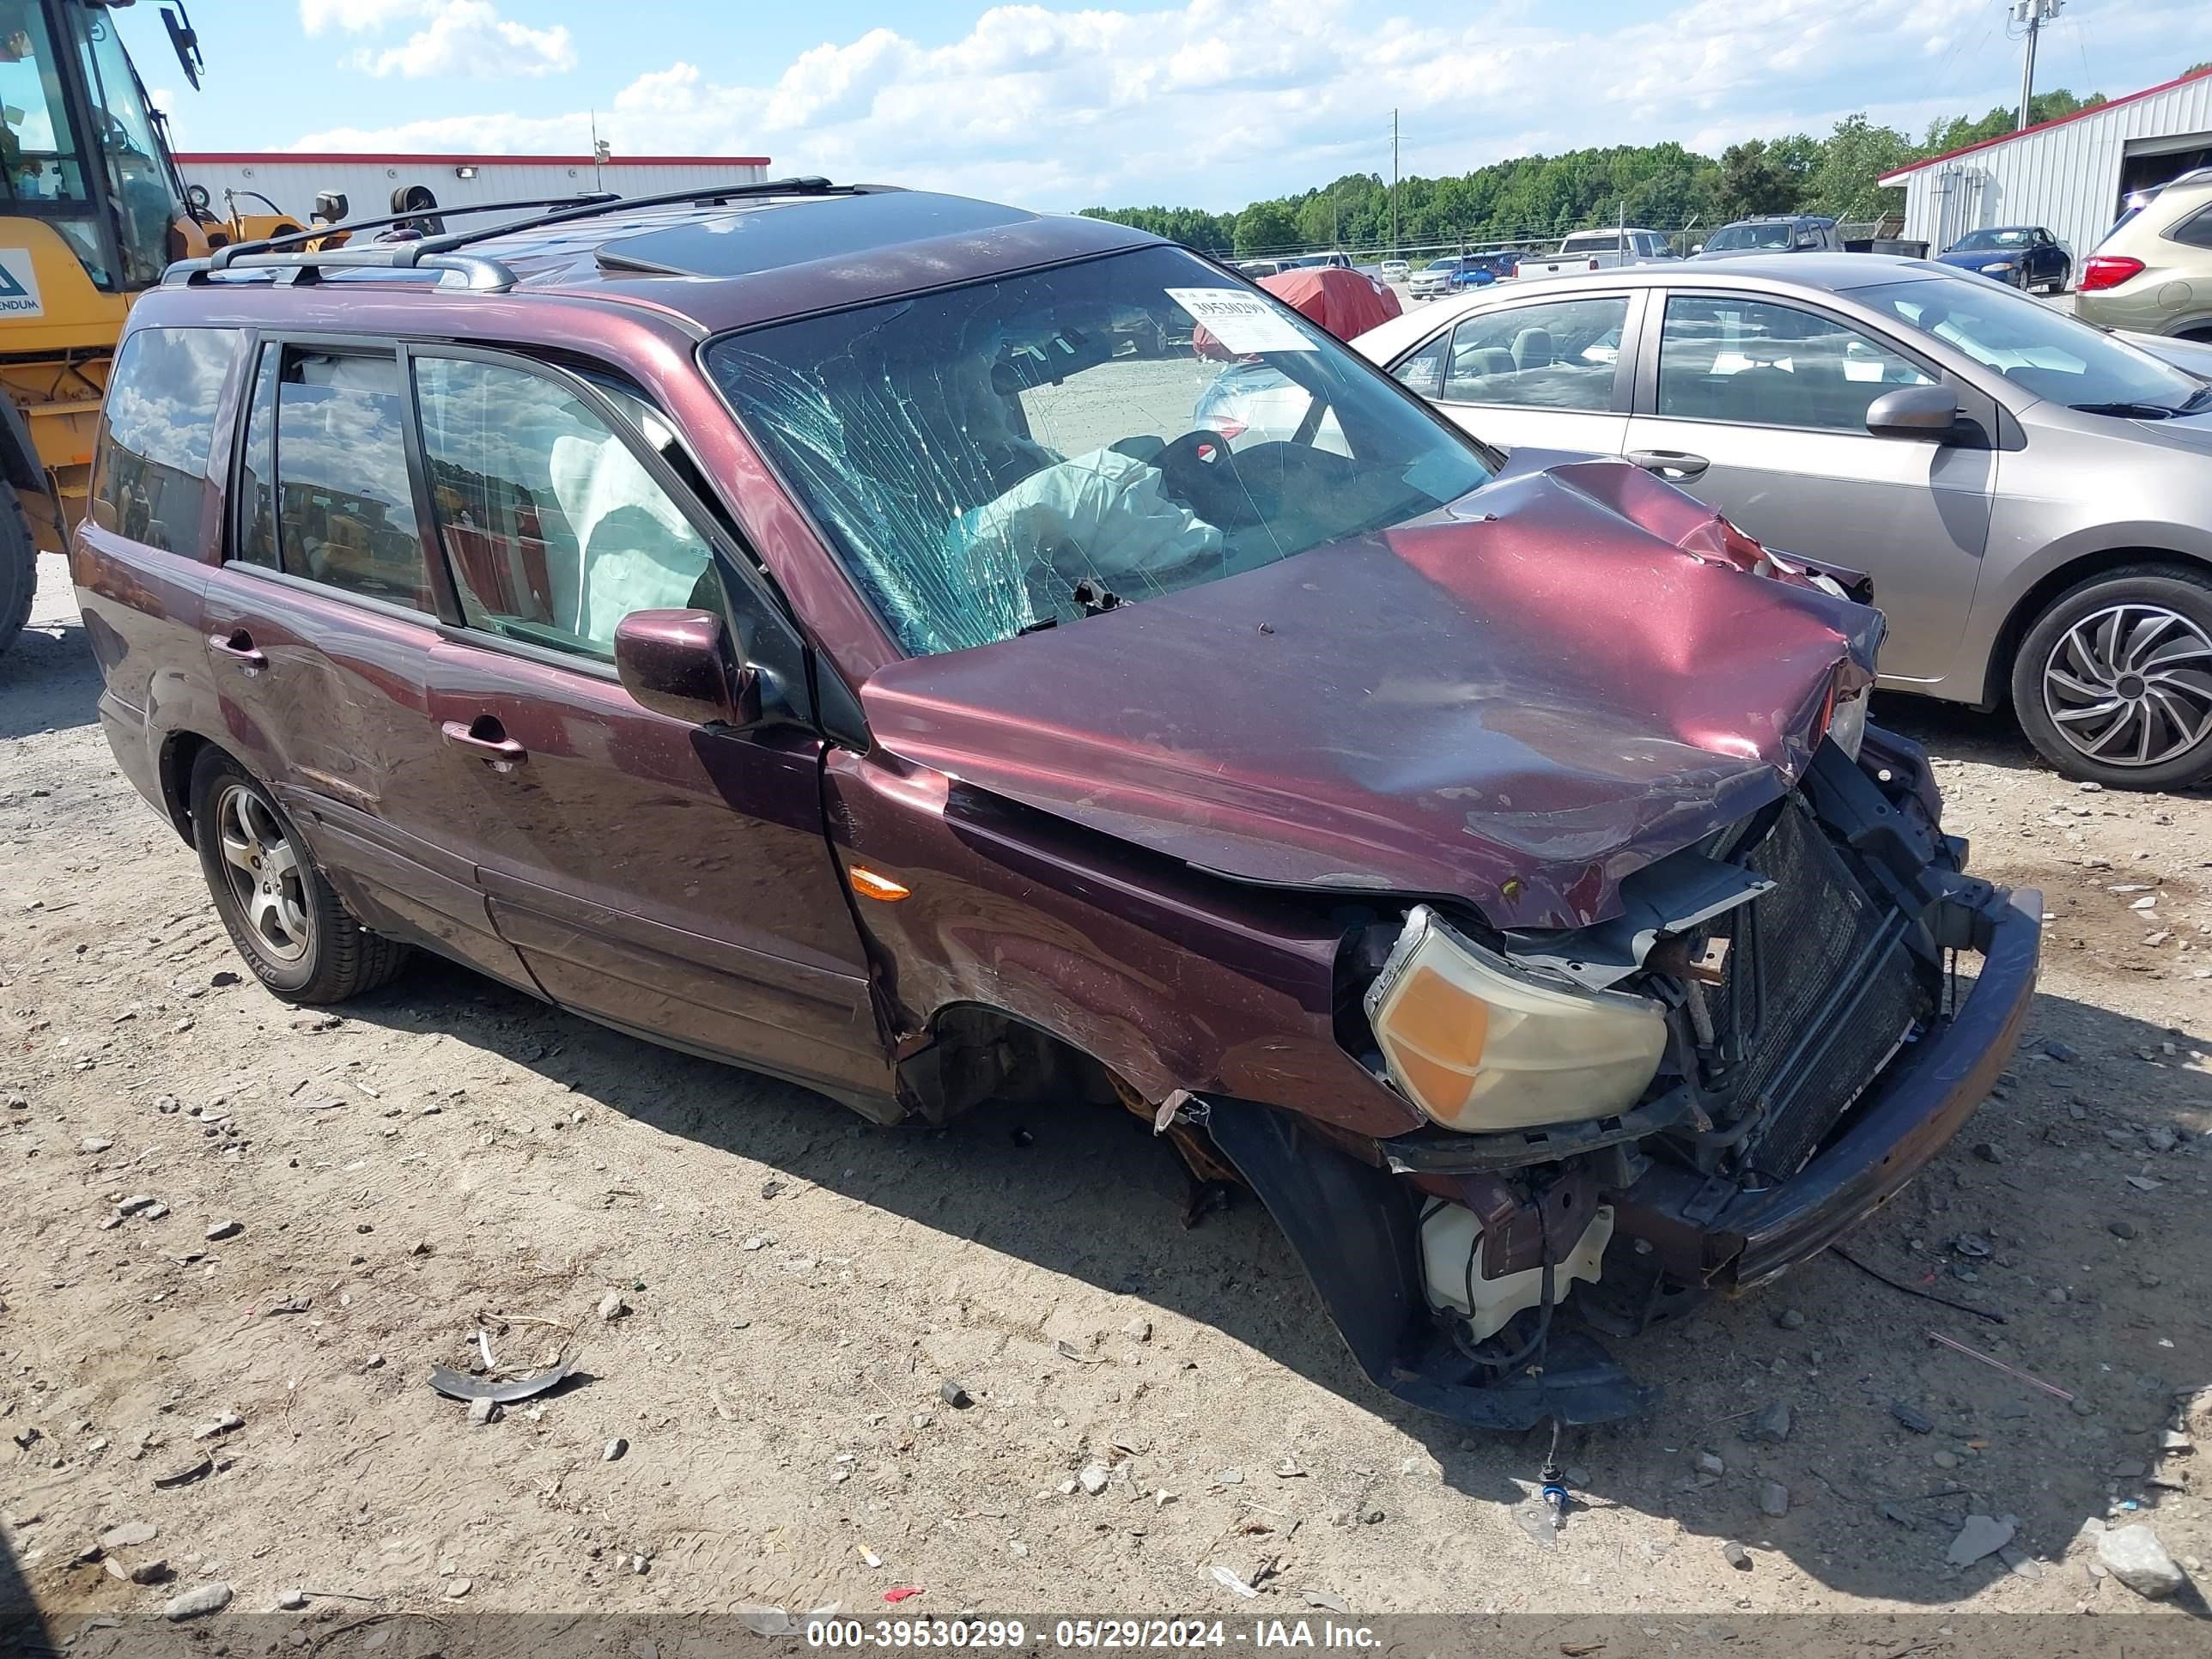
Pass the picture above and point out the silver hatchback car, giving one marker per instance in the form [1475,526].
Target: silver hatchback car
[2031,497]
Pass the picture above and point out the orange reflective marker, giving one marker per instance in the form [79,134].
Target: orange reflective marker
[868,884]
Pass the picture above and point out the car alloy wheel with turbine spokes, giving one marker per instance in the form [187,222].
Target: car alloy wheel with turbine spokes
[264,870]
[2130,685]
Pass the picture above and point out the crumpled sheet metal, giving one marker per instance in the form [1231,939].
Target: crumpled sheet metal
[1518,700]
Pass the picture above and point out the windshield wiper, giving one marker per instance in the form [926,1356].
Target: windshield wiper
[2196,400]
[1095,598]
[2126,411]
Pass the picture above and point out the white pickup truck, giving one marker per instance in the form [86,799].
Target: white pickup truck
[1598,249]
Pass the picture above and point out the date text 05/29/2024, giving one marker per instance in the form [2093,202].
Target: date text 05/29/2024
[983,1635]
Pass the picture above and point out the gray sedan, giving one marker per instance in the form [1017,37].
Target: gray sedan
[2032,496]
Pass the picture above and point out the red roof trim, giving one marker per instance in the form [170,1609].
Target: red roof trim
[2043,126]
[336,157]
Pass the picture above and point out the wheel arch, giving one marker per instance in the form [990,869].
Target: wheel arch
[180,754]
[973,1051]
[2046,589]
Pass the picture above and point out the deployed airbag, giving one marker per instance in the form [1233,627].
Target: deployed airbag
[1104,516]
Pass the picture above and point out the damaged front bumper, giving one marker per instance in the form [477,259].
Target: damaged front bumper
[1679,1224]
[1929,1095]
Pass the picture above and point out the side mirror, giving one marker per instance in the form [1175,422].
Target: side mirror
[1697,247]
[679,663]
[1914,411]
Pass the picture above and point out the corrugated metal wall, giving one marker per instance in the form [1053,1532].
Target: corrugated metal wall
[2067,177]
[368,181]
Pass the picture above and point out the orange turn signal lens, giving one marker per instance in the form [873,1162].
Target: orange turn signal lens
[868,884]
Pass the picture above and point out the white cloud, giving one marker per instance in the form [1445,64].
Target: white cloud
[1215,101]
[355,17]
[456,36]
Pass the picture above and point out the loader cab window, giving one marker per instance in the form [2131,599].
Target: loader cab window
[136,163]
[39,155]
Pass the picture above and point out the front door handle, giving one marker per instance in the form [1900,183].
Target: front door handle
[486,738]
[237,646]
[1670,463]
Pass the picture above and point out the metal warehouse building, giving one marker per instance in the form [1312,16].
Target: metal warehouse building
[290,180]
[2070,175]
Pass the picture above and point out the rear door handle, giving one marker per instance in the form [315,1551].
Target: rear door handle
[1675,463]
[486,738]
[237,646]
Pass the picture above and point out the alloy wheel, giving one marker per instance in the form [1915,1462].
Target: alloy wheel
[265,872]
[2130,685]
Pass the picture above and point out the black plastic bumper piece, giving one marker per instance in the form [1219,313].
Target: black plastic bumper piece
[1353,1228]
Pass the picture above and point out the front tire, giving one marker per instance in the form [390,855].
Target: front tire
[19,568]
[282,917]
[2113,682]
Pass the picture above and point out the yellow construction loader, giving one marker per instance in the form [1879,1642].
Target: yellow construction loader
[92,209]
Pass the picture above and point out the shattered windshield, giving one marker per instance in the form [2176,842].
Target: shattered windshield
[1031,450]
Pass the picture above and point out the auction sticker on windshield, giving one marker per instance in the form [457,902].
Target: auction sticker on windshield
[1241,322]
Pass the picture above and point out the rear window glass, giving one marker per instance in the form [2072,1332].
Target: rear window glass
[160,427]
[341,508]
[2195,231]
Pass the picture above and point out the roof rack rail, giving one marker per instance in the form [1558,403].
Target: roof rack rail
[438,252]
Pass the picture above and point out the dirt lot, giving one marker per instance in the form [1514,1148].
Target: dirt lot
[449,1158]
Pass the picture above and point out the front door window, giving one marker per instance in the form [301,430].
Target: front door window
[1722,358]
[554,529]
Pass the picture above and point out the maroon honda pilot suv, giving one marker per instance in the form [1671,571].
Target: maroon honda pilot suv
[815,627]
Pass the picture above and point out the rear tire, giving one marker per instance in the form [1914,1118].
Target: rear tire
[19,568]
[282,917]
[2112,684]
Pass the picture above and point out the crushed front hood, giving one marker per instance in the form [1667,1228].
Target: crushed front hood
[1518,701]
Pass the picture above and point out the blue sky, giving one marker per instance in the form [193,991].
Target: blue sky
[1207,102]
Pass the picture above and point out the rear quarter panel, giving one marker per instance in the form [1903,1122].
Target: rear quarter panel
[144,611]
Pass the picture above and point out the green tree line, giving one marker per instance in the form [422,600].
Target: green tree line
[1532,197]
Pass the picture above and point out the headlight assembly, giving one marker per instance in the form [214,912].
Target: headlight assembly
[1479,1046]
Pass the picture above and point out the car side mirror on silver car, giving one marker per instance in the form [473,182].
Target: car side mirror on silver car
[1914,411]
[679,663]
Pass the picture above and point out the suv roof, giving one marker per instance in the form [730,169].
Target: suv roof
[736,256]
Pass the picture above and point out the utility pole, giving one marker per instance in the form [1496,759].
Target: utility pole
[601,150]
[2032,15]
[1394,183]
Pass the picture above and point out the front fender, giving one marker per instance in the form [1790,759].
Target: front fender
[1171,978]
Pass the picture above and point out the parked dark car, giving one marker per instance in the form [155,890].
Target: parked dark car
[1780,232]
[2021,256]
[824,648]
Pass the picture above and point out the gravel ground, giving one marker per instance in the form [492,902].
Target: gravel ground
[340,1203]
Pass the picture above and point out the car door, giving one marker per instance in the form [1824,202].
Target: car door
[2048,260]
[1761,407]
[662,878]
[319,625]
[1546,373]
